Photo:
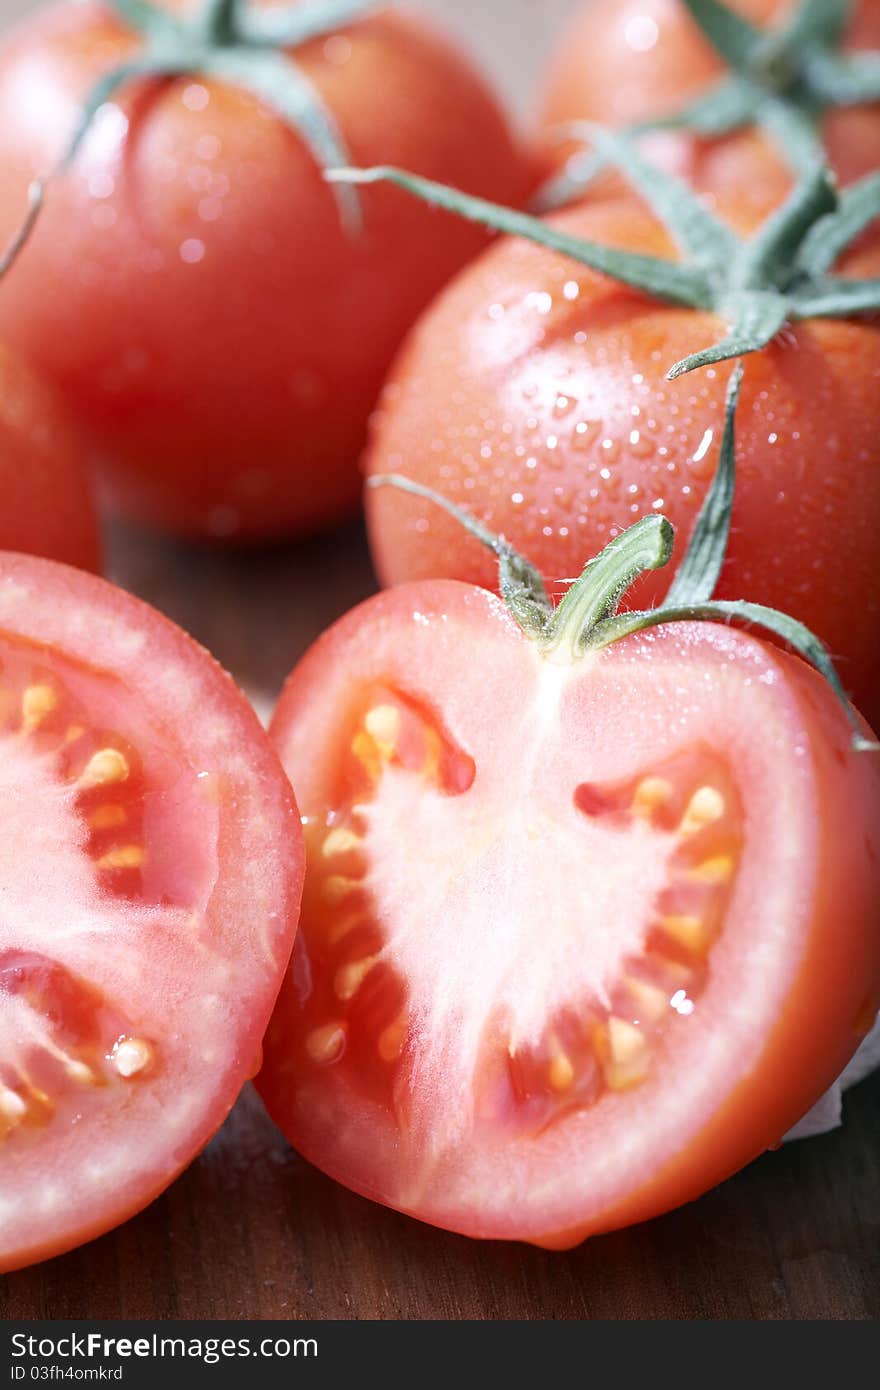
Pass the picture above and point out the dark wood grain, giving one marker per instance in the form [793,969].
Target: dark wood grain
[252,1231]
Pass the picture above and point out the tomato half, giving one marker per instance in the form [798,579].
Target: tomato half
[626,61]
[189,286]
[47,506]
[150,870]
[578,940]
[534,392]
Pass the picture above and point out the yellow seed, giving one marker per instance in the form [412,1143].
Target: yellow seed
[561,1072]
[326,1044]
[364,749]
[338,886]
[382,723]
[77,1070]
[12,1106]
[626,1061]
[107,817]
[349,978]
[125,857]
[391,1040]
[340,840]
[37,703]
[650,794]
[705,806]
[107,765]
[131,1056]
[715,870]
[73,732]
[651,1002]
[690,932]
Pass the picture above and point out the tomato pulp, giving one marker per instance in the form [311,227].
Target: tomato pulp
[578,940]
[189,285]
[150,871]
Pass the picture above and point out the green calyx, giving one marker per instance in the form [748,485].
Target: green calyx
[756,285]
[589,617]
[781,80]
[227,41]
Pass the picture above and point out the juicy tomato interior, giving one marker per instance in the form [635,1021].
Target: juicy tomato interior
[90,803]
[135,974]
[355,1012]
[534,937]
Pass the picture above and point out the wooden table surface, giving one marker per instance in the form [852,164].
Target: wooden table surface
[252,1231]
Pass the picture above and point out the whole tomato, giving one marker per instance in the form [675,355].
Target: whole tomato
[46,504]
[624,62]
[534,391]
[190,286]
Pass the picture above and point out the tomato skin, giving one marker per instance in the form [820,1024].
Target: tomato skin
[458,648]
[47,502]
[196,717]
[630,61]
[189,287]
[550,418]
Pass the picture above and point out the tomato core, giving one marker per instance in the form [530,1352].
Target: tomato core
[666,846]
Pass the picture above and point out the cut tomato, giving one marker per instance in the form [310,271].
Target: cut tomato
[579,938]
[150,869]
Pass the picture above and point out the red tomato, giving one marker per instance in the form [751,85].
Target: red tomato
[149,880]
[190,287]
[625,61]
[534,392]
[578,940]
[46,501]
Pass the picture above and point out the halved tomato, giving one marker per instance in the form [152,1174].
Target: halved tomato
[581,936]
[150,870]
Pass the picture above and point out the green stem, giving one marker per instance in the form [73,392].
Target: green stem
[215,23]
[678,284]
[596,595]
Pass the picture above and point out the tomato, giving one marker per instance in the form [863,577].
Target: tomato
[627,61]
[190,287]
[47,504]
[150,869]
[534,392]
[579,937]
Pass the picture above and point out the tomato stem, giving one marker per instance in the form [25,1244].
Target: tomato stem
[595,596]
[755,285]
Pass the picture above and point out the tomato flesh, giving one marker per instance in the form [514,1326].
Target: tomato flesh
[137,964]
[558,919]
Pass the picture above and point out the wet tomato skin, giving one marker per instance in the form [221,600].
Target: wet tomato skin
[190,289]
[639,60]
[151,882]
[455,649]
[533,392]
[47,498]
